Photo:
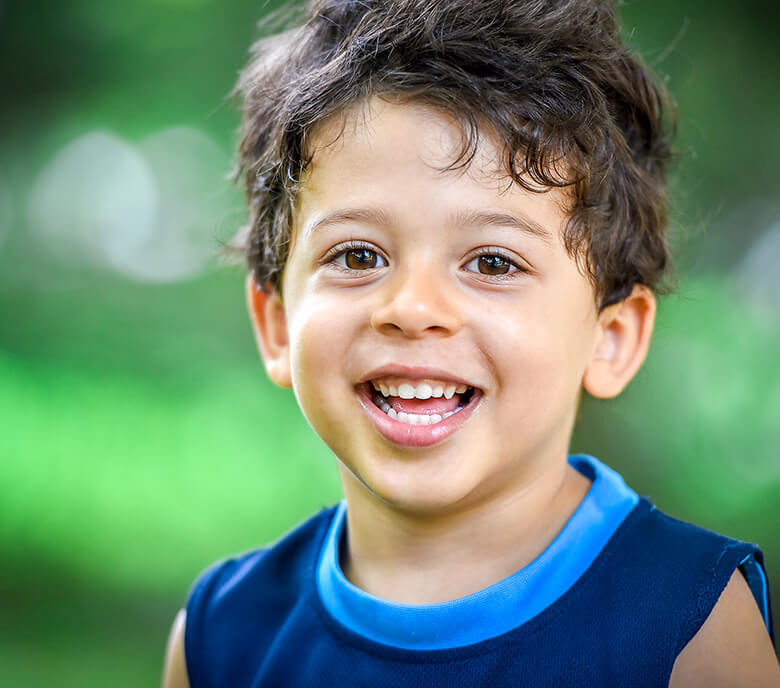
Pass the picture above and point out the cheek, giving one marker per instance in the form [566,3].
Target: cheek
[537,354]
[313,344]
[320,336]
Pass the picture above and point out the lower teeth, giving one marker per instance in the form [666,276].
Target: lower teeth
[412,418]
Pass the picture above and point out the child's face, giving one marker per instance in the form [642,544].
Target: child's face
[397,266]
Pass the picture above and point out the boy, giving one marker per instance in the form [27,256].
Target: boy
[457,215]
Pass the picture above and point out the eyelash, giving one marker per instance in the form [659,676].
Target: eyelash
[495,251]
[343,249]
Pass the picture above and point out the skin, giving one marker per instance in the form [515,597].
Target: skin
[429,524]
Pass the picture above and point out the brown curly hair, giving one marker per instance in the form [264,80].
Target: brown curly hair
[552,80]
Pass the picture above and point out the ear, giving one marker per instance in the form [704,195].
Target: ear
[270,324]
[622,343]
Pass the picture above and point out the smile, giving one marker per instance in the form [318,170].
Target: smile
[422,403]
[417,413]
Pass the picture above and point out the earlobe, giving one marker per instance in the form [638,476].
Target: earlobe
[269,321]
[621,347]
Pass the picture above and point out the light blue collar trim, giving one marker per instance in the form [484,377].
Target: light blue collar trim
[498,608]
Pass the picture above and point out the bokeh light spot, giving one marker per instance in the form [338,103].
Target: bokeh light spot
[96,200]
[149,212]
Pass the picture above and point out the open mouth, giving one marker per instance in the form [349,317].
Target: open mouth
[418,413]
[420,404]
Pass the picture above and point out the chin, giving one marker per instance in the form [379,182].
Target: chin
[413,492]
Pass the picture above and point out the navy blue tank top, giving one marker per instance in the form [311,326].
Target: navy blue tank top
[611,602]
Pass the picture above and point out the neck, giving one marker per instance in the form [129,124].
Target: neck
[424,558]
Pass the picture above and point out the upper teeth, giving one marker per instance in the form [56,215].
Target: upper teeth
[421,391]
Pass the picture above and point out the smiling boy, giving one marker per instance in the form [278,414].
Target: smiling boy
[457,220]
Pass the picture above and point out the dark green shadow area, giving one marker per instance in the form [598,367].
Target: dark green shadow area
[58,629]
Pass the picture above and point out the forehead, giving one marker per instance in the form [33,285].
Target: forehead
[410,127]
[394,163]
[381,146]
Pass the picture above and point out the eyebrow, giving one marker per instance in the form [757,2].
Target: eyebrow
[481,218]
[374,216]
[461,218]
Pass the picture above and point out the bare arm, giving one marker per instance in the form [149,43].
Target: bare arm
[732,648]
[175,671]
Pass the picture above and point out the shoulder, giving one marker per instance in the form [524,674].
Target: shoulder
[175,670]
[270,582]
[684,554]
[284,560]
[699,562]
[679,557]
[732,647]
[661,581]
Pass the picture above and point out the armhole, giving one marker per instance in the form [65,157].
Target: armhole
[195,647]
[746,557]
[754,574]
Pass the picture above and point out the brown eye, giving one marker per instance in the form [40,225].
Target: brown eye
[354,258]
[493,265]
[361,259]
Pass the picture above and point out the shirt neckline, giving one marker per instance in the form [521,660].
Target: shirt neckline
[498,608]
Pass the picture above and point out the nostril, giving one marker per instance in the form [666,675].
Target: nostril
[417,316]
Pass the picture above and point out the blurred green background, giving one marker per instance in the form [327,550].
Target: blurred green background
[139,437]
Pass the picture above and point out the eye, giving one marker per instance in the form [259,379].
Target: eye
[356,257]
[493,264]
[361,258]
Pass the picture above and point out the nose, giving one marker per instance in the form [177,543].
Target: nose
[417,302]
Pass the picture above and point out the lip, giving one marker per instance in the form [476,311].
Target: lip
[416,373]
[406,435]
